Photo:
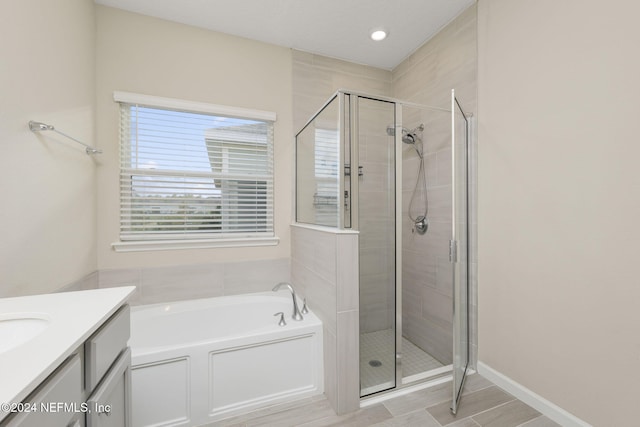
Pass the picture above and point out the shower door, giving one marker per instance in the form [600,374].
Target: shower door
[458,249]
[372,173]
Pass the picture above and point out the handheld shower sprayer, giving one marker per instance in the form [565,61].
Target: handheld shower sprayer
[413,137]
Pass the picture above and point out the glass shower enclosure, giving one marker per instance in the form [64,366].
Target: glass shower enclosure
[392,171]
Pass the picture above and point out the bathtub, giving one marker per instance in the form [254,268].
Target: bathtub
[202,360]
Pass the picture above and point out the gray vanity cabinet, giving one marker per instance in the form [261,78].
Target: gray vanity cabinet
[107,373]
[42,408]
[111,400]
[91,388]
[105,345]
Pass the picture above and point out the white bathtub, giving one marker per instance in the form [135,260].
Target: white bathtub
[199,361]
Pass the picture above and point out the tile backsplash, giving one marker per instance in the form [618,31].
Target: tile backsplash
[161,284]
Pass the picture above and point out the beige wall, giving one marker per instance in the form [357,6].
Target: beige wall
[48,182]
[559,193]
[155,57]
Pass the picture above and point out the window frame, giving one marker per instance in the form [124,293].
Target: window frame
[185,242]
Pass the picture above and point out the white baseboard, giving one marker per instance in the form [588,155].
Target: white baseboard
[532,399]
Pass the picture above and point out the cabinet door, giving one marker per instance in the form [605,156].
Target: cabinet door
[110,404]
[57,402]
[102,348]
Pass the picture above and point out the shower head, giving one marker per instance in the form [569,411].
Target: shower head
[408,136]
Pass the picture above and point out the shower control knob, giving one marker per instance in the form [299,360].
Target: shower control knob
[421,225]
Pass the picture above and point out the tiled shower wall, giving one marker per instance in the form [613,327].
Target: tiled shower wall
[447,61]
[426,271]
[316,78]
[377,216]
[324,269]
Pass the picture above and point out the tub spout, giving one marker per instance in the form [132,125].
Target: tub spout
[296,312]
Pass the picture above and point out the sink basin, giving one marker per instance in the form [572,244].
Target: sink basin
[17,329]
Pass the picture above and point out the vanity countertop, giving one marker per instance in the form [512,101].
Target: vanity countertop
[72,317]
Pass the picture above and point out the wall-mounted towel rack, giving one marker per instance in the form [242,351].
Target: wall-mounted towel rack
[39,127]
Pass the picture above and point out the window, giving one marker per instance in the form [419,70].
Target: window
[326,176]
[194,173]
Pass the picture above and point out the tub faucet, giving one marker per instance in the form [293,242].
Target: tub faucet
[296,312]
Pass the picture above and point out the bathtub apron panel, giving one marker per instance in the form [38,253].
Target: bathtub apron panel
[225,367]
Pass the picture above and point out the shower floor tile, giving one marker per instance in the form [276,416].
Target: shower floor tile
[377,357]
[379,347]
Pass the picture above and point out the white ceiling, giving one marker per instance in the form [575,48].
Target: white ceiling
[336,28]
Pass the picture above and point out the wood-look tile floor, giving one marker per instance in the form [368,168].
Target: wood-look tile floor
[483,405]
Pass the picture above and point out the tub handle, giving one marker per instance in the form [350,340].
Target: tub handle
[304,310]
[281,322]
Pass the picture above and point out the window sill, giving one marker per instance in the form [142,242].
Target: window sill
[169,245]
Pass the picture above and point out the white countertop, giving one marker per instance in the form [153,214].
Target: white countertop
[73,317]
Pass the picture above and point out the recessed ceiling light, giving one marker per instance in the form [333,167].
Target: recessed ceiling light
[378,35]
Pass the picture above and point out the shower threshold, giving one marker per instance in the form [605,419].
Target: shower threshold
[436,377]
[411,383]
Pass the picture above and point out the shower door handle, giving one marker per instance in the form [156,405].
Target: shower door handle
[453,251]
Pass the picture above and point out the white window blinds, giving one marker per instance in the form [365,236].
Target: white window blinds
[186,175]
[327,145]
